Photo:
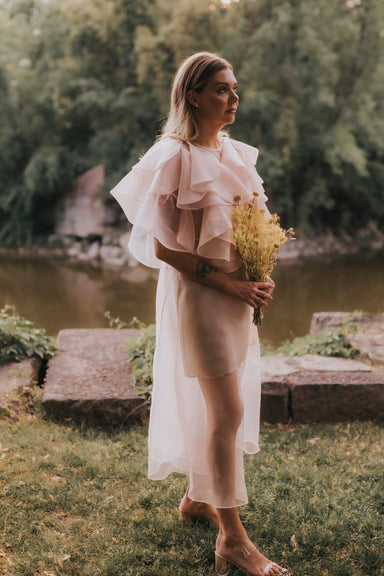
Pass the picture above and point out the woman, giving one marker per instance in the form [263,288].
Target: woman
[205,401]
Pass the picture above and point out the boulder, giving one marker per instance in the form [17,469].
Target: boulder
[82,212]
[15,375]
[325,320]
[16,382]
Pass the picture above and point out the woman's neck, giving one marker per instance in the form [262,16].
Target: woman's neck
[208,137]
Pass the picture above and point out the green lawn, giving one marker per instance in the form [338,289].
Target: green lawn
[76,501]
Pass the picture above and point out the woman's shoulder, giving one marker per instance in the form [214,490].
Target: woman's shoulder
[162,151]
[247,152]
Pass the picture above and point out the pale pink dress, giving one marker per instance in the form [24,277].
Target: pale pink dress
[183,195]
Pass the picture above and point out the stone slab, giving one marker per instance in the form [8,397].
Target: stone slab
[319,389]
[89,378]
[14,375]
[272,366]
[274,406]
[336,396]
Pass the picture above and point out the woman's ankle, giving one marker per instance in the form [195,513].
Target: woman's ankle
[232,536]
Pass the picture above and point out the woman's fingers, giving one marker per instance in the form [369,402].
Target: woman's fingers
[255,293]
[260,295]
[263,298]
[271,281]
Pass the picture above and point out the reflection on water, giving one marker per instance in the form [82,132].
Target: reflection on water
[57,294]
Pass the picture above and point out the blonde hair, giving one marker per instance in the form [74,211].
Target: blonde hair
[193,74]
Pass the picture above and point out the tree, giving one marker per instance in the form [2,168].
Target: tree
[84,82]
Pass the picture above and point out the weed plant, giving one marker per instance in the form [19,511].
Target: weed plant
[331,342]
[76,501]
[19,338]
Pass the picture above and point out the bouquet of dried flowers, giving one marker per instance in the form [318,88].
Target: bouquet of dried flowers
[258,240]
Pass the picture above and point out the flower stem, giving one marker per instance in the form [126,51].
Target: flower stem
[257,316]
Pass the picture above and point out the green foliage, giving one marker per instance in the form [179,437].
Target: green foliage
[141,351]
[93,80]
[115,323]
[19,339]
[331,342]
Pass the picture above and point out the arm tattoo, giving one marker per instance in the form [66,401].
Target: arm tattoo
[203,269]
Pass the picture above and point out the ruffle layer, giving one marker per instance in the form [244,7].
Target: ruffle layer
[176,184]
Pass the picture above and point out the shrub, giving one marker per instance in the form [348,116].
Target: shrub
[141,349]
[19,339]
[331,342]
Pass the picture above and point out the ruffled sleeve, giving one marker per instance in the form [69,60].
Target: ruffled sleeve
[183,195]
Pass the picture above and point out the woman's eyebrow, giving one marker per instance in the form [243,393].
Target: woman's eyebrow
[225,84]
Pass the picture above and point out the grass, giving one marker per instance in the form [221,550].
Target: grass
[76,501]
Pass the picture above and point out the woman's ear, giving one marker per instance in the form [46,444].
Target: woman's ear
[192,98]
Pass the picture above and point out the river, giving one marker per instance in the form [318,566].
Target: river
[57,294]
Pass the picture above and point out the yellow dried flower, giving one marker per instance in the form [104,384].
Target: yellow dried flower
[258,240]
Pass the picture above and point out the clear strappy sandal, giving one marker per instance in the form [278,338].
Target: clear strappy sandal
[222,565]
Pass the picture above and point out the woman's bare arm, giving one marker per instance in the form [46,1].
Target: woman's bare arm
[253,293]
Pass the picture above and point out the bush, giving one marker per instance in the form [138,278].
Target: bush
[331,342]
[19,339]
[141,350]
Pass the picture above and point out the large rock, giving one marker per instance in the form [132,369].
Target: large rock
[82,212]
[370,344]
[325,320]
[16,381]
[15,375]
[89,379]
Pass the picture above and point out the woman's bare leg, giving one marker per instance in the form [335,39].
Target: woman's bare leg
[199,510]
[224,414]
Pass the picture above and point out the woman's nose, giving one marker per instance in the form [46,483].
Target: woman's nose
[234,96]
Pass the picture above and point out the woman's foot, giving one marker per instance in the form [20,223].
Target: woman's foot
[191,510]
[244,555]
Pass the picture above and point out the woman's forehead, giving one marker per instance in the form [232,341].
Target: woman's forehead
[225,76]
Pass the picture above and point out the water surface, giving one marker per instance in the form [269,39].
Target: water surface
[58,294]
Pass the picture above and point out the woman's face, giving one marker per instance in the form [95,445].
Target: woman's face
[217,102]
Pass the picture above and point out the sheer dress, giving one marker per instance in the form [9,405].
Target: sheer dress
[183,195]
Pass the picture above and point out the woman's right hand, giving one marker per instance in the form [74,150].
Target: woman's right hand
[253,293]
